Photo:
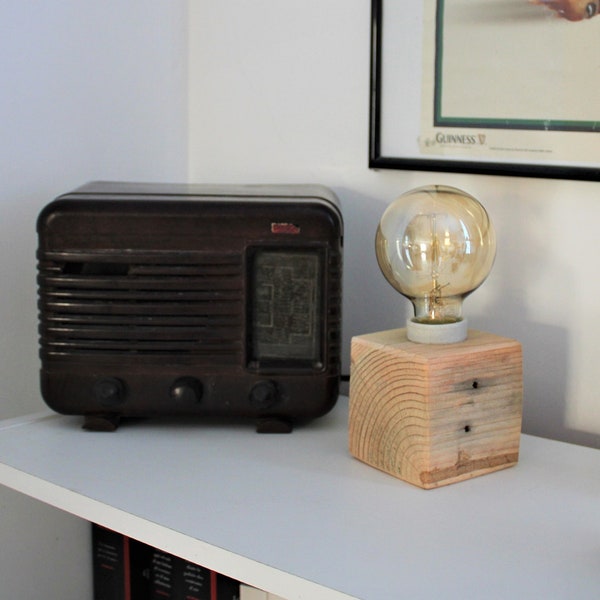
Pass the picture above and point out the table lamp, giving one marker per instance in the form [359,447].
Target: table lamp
[434,402]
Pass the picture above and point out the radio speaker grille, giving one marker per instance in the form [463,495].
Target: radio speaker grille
[146,304]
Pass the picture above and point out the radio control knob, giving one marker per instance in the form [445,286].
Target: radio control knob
[109,391]
[264,395]
[186,390]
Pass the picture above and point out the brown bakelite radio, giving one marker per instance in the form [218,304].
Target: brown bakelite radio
[160,299]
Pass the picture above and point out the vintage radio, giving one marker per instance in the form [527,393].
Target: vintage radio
[160,299]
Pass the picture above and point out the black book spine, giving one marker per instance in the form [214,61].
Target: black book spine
[225,588]
[140,561]
[174,578]
[109,562]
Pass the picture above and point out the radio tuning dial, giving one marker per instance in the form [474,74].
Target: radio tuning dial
[264,395]
[109,391]
[186,390]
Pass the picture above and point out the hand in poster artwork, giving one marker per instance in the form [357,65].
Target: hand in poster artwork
[573,10]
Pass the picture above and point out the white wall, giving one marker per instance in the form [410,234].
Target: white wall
[279,93]
[90,90]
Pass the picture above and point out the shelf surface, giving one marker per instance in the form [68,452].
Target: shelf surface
[298,516]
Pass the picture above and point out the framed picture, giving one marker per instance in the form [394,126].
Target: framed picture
[488,87]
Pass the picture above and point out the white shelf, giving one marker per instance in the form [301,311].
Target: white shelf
[298,516]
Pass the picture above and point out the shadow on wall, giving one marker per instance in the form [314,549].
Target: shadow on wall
[546,347]
[369,302]
[545,374]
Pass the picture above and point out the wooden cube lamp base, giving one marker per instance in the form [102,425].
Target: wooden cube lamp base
[434,414]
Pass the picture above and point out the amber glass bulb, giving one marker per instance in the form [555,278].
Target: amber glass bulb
[436,245]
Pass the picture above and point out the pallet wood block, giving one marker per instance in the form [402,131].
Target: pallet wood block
[434,414]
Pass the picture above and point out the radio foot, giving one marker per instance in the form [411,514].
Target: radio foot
[101,422]
[273,425]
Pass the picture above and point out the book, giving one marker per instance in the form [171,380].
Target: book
[126,569]
[120,566]
[109,565]
[225,588]
[173,578]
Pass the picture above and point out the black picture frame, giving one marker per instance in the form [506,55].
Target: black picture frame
[378,160]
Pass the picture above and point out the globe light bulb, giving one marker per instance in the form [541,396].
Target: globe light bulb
[436,245]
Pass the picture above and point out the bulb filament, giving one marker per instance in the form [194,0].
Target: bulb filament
[435,295]
[435,300]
